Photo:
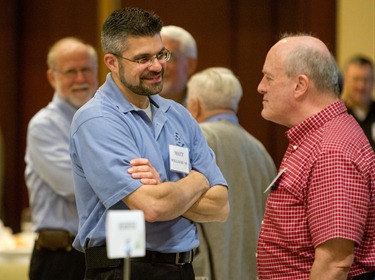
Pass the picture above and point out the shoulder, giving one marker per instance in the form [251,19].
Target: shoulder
[345,134]
[46,118]
[93,109]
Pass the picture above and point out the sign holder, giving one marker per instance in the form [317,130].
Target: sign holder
[125,227]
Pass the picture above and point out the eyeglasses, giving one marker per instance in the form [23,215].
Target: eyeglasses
[72,73]
[162,57]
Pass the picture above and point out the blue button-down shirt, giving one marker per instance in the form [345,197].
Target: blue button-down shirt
[48,171]
[106,134]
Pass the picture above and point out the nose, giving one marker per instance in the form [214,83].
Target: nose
[155,63]
[261,87]
[80,76]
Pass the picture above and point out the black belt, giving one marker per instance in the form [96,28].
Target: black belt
[53,239]
[366,276]
[96,257]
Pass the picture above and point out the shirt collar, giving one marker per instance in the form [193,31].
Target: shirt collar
[66,108]
[298,133]
[224,116]
[114,94]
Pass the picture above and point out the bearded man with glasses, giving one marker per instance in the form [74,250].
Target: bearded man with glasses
[123,145]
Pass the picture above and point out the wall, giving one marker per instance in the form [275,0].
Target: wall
[232,33]
[355,29]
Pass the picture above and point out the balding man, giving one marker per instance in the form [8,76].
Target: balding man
[319,221]
[72,72]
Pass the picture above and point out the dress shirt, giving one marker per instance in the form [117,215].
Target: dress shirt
[326,191]
[48,171]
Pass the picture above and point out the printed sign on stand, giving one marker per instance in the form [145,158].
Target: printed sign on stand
[125,234]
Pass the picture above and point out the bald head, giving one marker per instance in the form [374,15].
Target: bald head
[291,42]
[69,45]
[72,70]
[300,79]
[304,54]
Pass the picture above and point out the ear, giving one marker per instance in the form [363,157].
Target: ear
[301,86]
[111,62]
[195,108]
[192,65]
[51,78]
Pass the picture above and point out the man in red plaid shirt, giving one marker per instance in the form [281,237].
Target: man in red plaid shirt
[320,215]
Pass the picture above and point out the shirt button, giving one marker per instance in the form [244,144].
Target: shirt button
[295,147]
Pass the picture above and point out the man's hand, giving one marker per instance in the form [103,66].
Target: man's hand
[207,205]
[169,199]
[143,170]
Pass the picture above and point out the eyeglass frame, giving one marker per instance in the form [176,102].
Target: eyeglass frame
[150,60]
[72,73]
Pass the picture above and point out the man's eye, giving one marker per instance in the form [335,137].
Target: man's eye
[70,72]
[143,60]
[268,78]
[160,55]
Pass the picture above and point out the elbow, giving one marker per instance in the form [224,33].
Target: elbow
[345,264]
[151,215]
[154,213]
[224,213]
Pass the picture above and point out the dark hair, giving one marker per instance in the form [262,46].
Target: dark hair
[127,22]
[360,60]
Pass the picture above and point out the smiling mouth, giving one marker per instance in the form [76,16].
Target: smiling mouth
[155,78]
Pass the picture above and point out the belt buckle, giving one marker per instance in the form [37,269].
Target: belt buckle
[177,258]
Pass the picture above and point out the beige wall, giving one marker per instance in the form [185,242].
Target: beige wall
[355,29]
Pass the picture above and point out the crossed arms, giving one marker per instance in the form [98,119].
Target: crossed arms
[190,197]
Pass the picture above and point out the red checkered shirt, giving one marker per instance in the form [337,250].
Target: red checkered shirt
[327,191]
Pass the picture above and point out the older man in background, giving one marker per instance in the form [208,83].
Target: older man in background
[182,64]
[72,72]
[227,251]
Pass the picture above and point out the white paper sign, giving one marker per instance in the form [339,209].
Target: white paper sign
[125,233]
[179,159]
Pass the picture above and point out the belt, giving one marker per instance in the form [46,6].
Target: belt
[53,240]
[96,257]
[365,276]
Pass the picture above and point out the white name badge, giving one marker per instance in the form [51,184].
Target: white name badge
[125,234]
[179,159]
[274,180]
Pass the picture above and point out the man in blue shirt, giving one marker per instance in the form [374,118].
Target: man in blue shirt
[72,72]
[127,129]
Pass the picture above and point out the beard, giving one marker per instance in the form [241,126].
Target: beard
[142,88]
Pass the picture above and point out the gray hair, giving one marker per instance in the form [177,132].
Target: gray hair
[321,69]
[54,50]
[128,22]
[188,46]
[217,87]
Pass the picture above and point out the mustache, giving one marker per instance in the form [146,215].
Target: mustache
[80,86]
[152,74]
